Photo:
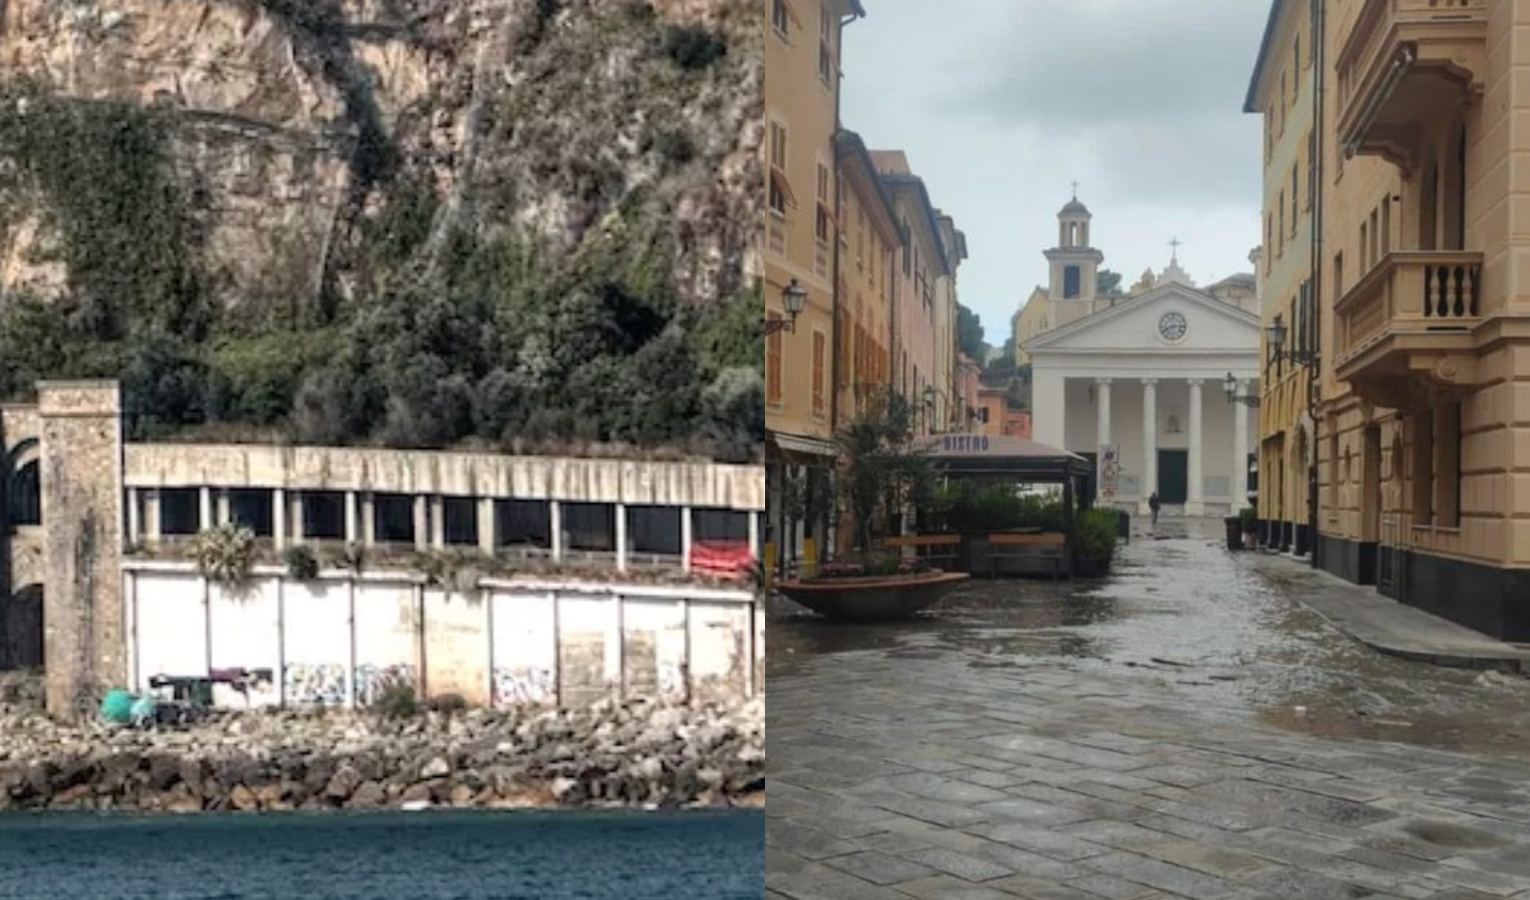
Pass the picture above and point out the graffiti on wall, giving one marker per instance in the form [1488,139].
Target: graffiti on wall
[373,680]
[524,687]
[307,684]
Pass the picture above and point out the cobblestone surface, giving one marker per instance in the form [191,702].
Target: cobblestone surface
[1135,740]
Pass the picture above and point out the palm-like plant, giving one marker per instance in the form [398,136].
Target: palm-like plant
[883,465]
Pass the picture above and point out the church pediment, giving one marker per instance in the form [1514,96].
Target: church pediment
[1169,318]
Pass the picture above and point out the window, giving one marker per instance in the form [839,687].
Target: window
[1338,274]
[819,344]
[983,415]
[780,191]
[1295,195]
[1280,233]
[780,17]
[821,223]
[1281,110]
[1296,56]
[1070,282]
[826,45]
[773,360]
[1269,242]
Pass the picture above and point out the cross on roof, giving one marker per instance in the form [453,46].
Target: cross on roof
[1176,243]
[1075,190]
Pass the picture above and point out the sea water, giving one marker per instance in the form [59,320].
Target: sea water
[385,856]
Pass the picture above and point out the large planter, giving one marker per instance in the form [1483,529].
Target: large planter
[1234,532]
[873,599]
[1084,567]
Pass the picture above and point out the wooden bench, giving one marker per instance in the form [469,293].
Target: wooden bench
[939,550]
[1049,548]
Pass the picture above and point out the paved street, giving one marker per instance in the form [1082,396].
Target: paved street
[1186,729]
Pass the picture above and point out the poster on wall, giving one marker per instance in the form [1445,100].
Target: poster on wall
[1109,472]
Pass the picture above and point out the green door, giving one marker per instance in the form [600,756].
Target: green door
[1173,476]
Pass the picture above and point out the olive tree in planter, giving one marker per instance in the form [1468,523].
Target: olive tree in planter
[225,555]
[1094,542]
[883,467]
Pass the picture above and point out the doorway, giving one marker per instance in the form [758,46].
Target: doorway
[1173,477]
[1089,486]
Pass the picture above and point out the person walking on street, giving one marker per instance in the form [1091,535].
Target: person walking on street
[1153,505]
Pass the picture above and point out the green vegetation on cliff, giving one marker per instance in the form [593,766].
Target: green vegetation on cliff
[489,334]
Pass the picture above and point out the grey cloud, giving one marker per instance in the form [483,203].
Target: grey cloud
[1085,62]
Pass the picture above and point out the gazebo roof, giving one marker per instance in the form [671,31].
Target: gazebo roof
[979,454]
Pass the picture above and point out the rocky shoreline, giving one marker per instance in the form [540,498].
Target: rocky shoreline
[637,754]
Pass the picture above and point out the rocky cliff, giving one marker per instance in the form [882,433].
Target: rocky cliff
[297,120]
[248,208]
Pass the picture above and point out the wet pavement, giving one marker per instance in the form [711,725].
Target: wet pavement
[1185,728]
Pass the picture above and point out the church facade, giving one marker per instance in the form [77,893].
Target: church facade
[1138,382]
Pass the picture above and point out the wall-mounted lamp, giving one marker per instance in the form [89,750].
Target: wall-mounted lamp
[794,299]
[1231,384]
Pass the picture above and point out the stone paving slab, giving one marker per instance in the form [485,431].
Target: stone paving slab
[1067,810]
[1390,627]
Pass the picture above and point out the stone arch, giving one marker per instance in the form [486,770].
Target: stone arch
[21,629]
[23,484]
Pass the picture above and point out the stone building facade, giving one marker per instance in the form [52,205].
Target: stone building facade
[1423,455]
[79,501]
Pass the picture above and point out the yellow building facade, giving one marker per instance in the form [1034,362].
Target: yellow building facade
[870,245]
[1424,425]
[1283,90]
[801,252]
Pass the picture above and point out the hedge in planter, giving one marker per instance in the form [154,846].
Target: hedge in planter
[1094,541]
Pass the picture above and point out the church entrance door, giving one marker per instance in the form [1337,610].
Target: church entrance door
[1173,477]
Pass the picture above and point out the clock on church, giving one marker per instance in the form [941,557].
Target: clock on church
[1172,326]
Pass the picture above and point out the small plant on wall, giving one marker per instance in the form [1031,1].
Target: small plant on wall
[302,564]
[225,554]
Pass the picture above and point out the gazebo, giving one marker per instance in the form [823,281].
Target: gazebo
[1015,460]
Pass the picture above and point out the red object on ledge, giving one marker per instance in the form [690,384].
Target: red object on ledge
[724,559]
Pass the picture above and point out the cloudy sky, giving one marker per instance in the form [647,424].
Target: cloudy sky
[1000,104]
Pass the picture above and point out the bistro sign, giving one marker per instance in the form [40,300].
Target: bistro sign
[965,443]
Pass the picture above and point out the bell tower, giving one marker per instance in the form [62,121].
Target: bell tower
[1075,264]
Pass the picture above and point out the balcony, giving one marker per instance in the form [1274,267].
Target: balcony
[1404,333]
[1404,64]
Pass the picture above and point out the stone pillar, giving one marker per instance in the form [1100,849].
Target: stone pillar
[1049,409]
[279,510]
[204,509]
[754,533]
[1102,428]
[153,516]
[621,537]
[1240,450]
[1149,440]
[421,523]
[225,508]
[85,619]
[297,528]
[488,538]
[685,537]
[368,518]
[135,517]
[352,529]
[1195,505]
[555,518]
[438,522]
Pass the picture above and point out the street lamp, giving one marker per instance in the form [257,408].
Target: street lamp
[929,395]
[1275,333]
[794,298]
[1231,385]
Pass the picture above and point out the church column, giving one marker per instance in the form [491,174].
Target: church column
[1240,450]
[1149,439]
[1049,408]
[1102,429]
[1195,504]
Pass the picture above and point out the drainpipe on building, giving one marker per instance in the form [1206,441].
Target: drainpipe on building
[835,356]
[1314,366]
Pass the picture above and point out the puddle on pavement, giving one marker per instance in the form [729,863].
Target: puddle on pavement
[1181,613]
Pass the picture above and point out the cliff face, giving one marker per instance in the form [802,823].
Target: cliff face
[296,123]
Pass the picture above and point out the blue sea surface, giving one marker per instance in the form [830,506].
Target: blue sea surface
[432,855]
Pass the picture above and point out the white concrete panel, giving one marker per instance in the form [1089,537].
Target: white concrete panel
[719,647]
[525,648]
[590,658]
[317,643]
[172,627]
[245,633]
[655,647]
[387,639]
[457,645]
